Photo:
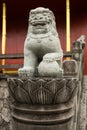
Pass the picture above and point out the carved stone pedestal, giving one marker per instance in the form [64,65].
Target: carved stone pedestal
[43,103]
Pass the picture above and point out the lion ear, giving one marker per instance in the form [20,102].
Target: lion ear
[53,17]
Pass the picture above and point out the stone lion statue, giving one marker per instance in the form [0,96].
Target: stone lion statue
[42,39]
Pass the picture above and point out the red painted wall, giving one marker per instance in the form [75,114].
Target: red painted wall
[16,33]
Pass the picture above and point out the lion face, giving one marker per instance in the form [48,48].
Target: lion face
[40,20]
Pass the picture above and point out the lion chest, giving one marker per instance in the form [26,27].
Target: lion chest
[44,44]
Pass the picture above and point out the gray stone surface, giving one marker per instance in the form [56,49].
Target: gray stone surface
[44,103]
[4,106]
[5,120]
[51,65]
[42,38]
[83,106]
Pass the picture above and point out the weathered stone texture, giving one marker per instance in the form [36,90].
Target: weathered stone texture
[5,110]
[4,106]
[42,46]
[83,106]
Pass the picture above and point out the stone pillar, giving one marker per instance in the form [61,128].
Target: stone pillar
[43,103]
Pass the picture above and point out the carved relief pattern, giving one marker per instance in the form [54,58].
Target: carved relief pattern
[70,67]
[43,90]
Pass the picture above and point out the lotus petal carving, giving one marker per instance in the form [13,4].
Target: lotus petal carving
[43,91]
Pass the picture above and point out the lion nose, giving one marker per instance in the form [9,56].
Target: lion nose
[38,18]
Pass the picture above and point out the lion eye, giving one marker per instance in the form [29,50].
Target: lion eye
[45,14]
[32,16]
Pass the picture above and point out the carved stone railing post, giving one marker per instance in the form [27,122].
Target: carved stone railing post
[43,103]
[78,55]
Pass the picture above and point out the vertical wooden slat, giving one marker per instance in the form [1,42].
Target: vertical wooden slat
[3,30]
[4,37]
[67,25]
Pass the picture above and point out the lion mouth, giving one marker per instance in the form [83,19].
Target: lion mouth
[36,23]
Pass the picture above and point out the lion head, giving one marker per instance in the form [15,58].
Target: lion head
[41,20]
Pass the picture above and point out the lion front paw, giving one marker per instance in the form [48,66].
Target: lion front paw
[26,72]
